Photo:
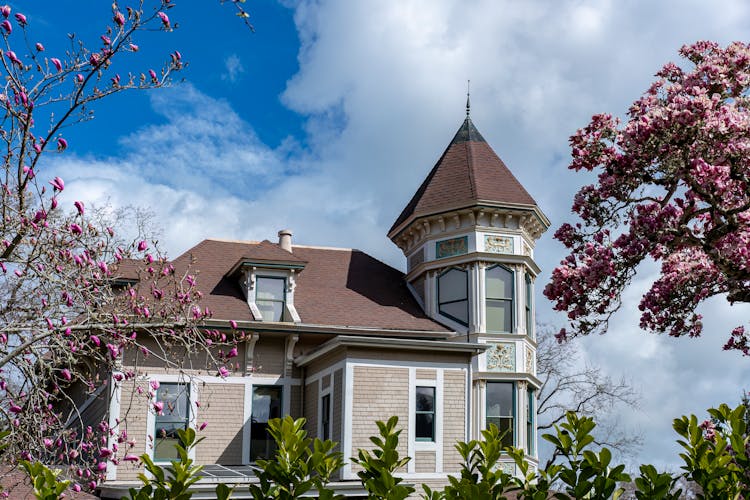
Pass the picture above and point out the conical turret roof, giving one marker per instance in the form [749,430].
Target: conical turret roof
[468,173]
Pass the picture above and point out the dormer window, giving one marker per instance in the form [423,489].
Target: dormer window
[268,275]
[270,297]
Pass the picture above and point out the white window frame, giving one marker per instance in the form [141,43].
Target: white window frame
[151,415]
[321,394]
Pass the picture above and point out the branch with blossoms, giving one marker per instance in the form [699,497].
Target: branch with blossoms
[77,297]
[673,187]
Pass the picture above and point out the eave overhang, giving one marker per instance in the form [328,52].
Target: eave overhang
[344,341]
[245,262]
[287,327]
[474,205]
[474,257]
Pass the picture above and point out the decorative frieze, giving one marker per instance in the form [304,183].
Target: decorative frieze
[529,360]
[451,247]
[498,244]
[416,258]
[501,357]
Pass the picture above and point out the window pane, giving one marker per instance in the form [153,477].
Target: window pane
[425,427]
[499,399]
[325,418]
[266,405]
[174,415]
[499,282]
[504,425]
[453,286]
[270,288]
[426,399]
[271,311]
[458,310]
[499,315]
[175,400]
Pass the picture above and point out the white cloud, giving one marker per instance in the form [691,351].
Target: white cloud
[382,85]
[234,68]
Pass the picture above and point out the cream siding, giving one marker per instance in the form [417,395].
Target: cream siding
[221,408]
[454,417]
[379,393]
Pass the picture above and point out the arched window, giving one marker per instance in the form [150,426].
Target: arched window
[499,299]
[453,295]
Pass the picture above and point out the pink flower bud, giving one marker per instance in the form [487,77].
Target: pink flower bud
[164,19]
[130,458]
[118,18]
[21,19]
[66,374]
[154,384]
[233,324]
[158,407]
[223,372]
[6,26]
[79,206]
[56,62]
[57,184]
[134,47]
[202,426]
[5,10]
[95,340]
[62,144]
[39,47]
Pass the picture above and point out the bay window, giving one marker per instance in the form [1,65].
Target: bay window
[453,295]
[499,299]
[500,409]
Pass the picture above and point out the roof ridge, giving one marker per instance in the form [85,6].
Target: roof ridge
[318,247]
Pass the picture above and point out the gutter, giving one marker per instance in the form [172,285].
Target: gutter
[267,326]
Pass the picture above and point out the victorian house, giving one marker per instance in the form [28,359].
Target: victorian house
[343,339]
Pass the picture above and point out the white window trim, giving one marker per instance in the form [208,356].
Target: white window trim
[286,399]
[249,284]
[328,391]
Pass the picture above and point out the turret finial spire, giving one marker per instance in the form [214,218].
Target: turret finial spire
[468,97]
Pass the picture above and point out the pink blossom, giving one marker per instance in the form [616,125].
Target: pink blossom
[79,205]
[66,374]
[233,324]
[5,10]
[62,144]
[130,458]
[203,426]
[95,340]
[232,353]
[223,372]
[154,384]
[164,19]
[118,18]
[134,47]
[106,40]
[39,47]
[56,63]
[142,245]
[6,26]
[47,442]
[158,407]
[57,184]
[12,56]
[76,229]
[152,74]
[21,19]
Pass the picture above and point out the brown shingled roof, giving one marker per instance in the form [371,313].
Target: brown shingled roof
[469,171]
[338,287]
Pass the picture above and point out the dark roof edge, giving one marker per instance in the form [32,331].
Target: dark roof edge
[378,342]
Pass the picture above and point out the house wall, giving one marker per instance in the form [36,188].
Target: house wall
[379,393]
[221,408]
[381,388]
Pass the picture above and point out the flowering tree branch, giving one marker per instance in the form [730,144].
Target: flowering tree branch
[672,187]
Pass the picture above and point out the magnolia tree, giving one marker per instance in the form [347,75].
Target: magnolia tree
[672,187]
[66,316]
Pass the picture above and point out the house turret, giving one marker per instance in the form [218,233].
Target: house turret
[468,234]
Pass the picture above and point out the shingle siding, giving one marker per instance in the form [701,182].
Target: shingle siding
[454,417]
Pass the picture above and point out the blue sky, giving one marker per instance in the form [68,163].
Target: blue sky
[328,118]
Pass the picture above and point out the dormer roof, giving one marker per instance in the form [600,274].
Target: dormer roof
[268,255]
[468,173]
